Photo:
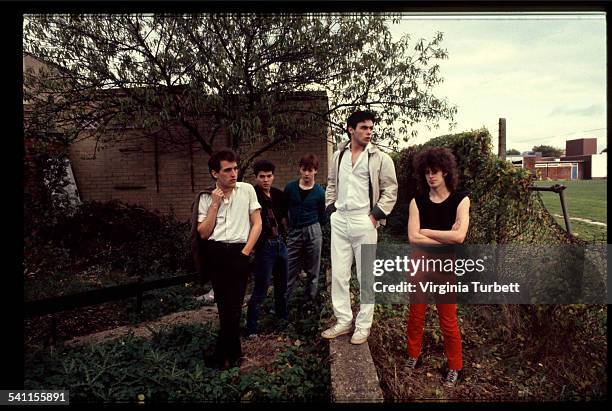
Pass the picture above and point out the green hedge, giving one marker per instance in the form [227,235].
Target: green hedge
[502,209]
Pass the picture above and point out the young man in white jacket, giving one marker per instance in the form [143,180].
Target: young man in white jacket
[361,192]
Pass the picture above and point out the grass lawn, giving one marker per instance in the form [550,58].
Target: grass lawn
[584,199]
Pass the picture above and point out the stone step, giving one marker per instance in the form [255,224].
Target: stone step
[353,374]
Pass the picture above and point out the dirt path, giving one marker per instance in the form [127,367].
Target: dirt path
[258,353]
[584,220]
[146,329]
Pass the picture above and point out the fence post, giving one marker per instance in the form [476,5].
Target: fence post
[502,139]
[565,213]
[558,188]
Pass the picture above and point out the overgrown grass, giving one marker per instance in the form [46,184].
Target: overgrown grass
[586,231]
[169,368]
[508,354]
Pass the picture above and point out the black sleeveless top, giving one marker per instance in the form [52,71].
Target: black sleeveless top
[439,216]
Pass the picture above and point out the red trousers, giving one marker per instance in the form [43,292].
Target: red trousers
[447,316]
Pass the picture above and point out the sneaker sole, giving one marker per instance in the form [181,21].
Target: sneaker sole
[337,335]
[359,342]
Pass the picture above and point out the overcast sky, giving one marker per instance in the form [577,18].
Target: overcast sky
[545,74]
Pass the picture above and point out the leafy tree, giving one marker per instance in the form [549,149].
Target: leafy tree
[192,78]
[513,152]
[548,151]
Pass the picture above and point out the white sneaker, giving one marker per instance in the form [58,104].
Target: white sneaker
[360,335]
[208,297]
[411,364]
[337,330]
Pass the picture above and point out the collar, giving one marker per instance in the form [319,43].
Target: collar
[371,148]
[260,190]
[238,184]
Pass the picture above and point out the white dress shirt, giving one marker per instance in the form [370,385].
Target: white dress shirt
[233,217]
[353,182]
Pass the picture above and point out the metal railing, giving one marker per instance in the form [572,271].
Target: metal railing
[87,298]
[558,188]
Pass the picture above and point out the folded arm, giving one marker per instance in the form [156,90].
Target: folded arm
[457,234]
[414,228]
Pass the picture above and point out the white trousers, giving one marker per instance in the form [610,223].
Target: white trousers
[348,233]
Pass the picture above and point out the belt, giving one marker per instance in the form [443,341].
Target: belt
[360,211]
[227,246]
[299,227]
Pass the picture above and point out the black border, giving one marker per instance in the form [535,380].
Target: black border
[12,347]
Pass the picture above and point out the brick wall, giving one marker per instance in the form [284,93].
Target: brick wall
[584,167]
[554,173]
[126,170]
[529,163]
[581,146]
[560,172]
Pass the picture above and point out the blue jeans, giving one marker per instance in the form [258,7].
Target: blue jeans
[270,261]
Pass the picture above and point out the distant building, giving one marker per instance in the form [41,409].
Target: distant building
[599,165]
[584,149]
[580,161]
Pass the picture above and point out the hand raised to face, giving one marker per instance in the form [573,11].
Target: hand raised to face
[217,196]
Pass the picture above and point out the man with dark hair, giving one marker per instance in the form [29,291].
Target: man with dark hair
[270,250]
[306,201]
[229,221]
[361,192]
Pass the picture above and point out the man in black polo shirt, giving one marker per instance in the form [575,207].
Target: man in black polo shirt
[270,250]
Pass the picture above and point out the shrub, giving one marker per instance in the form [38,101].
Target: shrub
[124,237]
[503,210]
[170,368]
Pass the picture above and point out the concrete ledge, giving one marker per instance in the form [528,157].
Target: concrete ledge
[353,374]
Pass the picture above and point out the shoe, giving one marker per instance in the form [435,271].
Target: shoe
[451,378]
[208,297]
[411,364]
[360,335]
[337,330]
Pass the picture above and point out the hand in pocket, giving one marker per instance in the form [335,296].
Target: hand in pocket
[245,261]
[373,220]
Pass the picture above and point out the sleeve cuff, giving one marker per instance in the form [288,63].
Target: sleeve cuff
[378,213]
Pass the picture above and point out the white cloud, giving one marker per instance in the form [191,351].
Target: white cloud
[546,77]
